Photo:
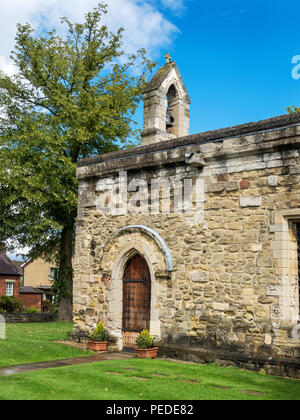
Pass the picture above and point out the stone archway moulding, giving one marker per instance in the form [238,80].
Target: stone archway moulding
[158,239]
[173,82]
[124,244]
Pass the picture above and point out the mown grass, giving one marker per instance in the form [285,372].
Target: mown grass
[30,343]
[132,379]
[146,380]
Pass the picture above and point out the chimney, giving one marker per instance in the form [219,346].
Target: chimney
[2,248]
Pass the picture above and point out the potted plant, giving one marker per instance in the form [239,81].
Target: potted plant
[98,339]
[146,346]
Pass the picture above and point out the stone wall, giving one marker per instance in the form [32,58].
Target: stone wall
[233,284]
[29,318]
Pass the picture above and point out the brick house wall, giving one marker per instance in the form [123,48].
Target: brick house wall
[10,272]
[31,300]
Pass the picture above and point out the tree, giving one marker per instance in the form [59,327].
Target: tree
[293,109]
[72,97]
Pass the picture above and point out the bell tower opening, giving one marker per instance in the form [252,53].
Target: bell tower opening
[166,106]
[171,104]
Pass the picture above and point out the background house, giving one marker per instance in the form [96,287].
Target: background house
[10,283]
[18,265]
[39,274]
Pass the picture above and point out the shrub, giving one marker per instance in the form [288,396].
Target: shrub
[46,306]
[145,341]
[31,311]
[10,304]
[49,307]
[99,334]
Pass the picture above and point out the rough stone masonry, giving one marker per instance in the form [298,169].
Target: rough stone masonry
[224,272]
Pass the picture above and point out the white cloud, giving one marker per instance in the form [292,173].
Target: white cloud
[17,253]
[175,6]
[145,26]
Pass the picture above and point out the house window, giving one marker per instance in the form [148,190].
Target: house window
[9,289]
[53,272]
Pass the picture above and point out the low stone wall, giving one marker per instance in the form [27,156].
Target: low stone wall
[277,366]
[29,318]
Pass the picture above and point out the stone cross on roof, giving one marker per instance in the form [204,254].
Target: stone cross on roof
[168,58]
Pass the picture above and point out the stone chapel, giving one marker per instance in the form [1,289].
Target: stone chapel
[194,237]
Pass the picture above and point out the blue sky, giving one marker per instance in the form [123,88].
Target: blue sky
[235,59]
[234,56]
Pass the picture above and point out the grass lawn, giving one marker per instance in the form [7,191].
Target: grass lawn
[131,379]
[146,380]
[30,343]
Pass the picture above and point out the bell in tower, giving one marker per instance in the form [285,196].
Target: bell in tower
[166,106]
[170,120]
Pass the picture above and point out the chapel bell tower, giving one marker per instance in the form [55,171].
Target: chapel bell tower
[166,106]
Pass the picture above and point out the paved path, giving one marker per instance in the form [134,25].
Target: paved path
[65,362]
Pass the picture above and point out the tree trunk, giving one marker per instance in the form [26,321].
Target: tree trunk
[65,272]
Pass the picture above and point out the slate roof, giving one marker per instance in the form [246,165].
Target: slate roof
[30,290]
[7,267]
[18,265]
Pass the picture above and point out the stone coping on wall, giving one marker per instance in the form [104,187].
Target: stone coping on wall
[282,121]
[29,318]
[255,138]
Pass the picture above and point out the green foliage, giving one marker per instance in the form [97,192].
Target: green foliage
[145,341]
[47,306]
[72,97]
[99,334]
[293,109]
[32,311]
[59,284]
[10,304]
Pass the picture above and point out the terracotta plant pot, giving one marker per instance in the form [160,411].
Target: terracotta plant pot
[147,353]
[97,346]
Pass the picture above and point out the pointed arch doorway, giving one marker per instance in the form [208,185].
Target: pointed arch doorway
[136,300]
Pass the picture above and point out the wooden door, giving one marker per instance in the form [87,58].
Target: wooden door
[136,300]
